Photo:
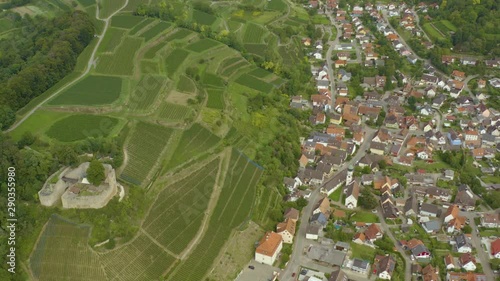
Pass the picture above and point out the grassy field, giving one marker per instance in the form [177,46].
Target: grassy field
[140,26]
[202,45]
[174,112]
[268,199]
[146,92]
[144,147]
[364,216]
[156,30]
[153,51]
[432,32]
[189,198]
[194,141]
[140,260]
[213,80]
[186,85]
[232,209]
[203,18]
[122,61]
[362,252]
[91,90]
[260,73]
[150,67]
[80,127]
[277,5]
[215,98]
[179,34]
[126,21]
[113,38]
[254,83]
[109,7]
[174,61]
[336,195]
[257,49]
[86,3]
[54,255]
[253,33]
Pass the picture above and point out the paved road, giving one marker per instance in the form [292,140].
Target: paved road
[476,242]
[331,46]
[388,232]
[90,63]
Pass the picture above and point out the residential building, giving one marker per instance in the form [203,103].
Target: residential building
[287,230]
[495,248]
[429,210]
[462,276]
[269,247]
[491,220]
[468,262]
[360,266]
[352,194]
[449,262]
[385,266]
[462,244]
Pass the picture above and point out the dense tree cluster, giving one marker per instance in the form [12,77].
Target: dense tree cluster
[38,56]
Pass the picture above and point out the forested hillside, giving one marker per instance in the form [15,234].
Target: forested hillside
[35,57]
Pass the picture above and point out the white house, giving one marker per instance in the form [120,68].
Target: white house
[468,262]
[462,244]
[269,248]
[318,56]
[385,268]
[351,200]
[313,231]
[449,262]
[287,230]
[495,248]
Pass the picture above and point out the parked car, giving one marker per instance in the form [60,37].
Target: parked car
[251,267]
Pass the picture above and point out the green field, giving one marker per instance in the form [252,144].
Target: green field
[174,61]
[362,252]
[215,98]
[150,67]
[186,85]
[144,147]
[38,123]
[257,49]
[109,7]
[126,21]
[122,61]
[91,90]
[364,216]
[253,33]
[213,80]
[155,30]
[140,26]
[277,5]
[62,253]
[203,18]
[178,212]
[112,39]
[194,141]
[146,92]
[86,3]
[254,83]
[260,73]
[433,33]
[153,51]
[80,127]
[140,260]
[179,34]
[232,209]
[202,45]
[233,69]
[174,112]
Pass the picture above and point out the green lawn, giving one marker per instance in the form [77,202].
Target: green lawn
[91,90]
[38,123]
[335,196]
[80,127]
[362,252]
[363,216]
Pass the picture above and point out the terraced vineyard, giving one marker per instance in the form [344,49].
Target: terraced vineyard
[232,209]
[122,61]
[174,112]
[189,198]
[146,92]
[145,145]
[54,255]
[92,90]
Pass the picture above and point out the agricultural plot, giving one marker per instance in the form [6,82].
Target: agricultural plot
[186,85]
[178,212]
[112,39]
[140,260]
[202,45]
[179,34]
[445,27]
[153,51]
[91,90]
[174,112]
[276,5]
[122,61]
[80,127]
[109,7]
[144,147]
[253,33]
[194,141]
[140,26]
[146,92]
[174,61]
[203,18]
[60,5]
[257,49]
[155,30]
[213,80]
[215,98]
[86,3]
[260,73]
[62,253]
[254,83]
[233,69]
[126,21]
[232,209]
[149,67]
[432,32]
[229,62]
